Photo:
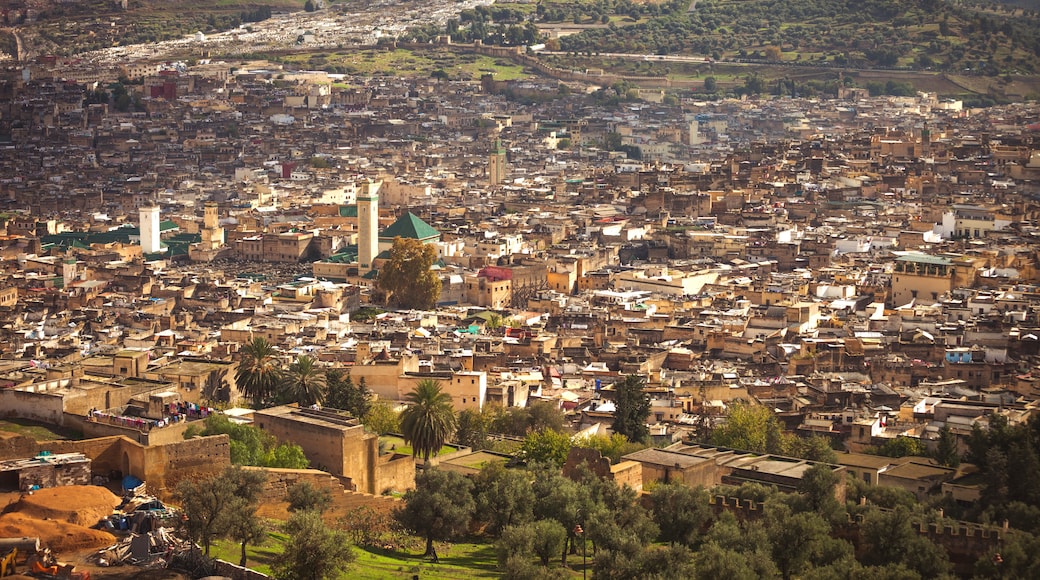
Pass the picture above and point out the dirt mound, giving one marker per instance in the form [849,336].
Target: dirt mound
[76,504]
[57,535]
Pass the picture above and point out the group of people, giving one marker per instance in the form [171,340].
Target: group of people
[173,413]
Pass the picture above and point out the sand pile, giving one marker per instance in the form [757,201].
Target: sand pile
[58,536]
[76,504]
[61,517]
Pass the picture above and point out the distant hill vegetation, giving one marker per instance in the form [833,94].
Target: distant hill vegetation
[73,27]
[917,34]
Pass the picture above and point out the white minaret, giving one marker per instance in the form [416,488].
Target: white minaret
[368,225]
[150,230]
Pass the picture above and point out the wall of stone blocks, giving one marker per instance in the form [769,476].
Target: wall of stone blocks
[394,472]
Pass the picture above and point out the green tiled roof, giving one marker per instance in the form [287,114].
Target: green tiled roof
[347,255]
[348,211]
[410,226]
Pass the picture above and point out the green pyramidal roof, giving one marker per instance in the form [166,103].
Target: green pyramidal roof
[410,226]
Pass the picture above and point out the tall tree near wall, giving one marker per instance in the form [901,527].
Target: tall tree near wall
[406,277]
[304,382]
[632,408]
[429,420]
[259,371]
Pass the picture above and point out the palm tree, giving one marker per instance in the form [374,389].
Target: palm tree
[258,371]
[429,421]
[304,382]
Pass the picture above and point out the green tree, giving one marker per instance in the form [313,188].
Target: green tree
[612,447]
[545,446]
[891,539]
[518,421]
[305,496]
[472,428]
[259,371]
[813,448]
[503,497]
[407,278]
[747,544]
[545,415]
[902,447]
[304,382]
[381,418]
[710,85]
[632,407]
[314,550]
[246,527]
[549,537]
[343,394]
[250,445]
[216,505]
[817,486]
[800,541]
[515,543]
[946,449]
[429,420]
[494,321]
[680,511]
[751,428]
[439,508]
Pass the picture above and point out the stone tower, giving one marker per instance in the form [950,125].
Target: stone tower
[150,230]
[368,225]
[497,164]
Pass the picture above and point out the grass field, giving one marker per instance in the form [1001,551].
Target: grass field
[406,63]
[458,561]
[38,431]
[399,446]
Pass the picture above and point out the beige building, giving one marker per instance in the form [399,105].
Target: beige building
[920,278]
[339,444]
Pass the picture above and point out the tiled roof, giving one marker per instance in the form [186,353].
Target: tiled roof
[410,226]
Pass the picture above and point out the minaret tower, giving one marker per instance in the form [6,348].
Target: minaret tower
[150,230]
[368,225]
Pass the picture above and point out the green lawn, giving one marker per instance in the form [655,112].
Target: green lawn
[399,446]
[404,62]
[457,561]
[38,431]
[258,558]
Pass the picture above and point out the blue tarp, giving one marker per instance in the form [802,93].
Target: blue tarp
[131,482]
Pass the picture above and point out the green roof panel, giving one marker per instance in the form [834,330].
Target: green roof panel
[410,226]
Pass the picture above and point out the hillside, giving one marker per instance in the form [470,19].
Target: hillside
[69,28]
[915,34]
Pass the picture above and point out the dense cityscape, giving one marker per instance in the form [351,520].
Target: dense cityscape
[261,318]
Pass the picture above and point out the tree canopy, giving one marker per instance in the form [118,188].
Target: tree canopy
[221,505]
[259,371]
[304,382]
[429,420]
[250,445]
[407,278]
[439,508]
[314,551]
[632,407]
[343,394]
